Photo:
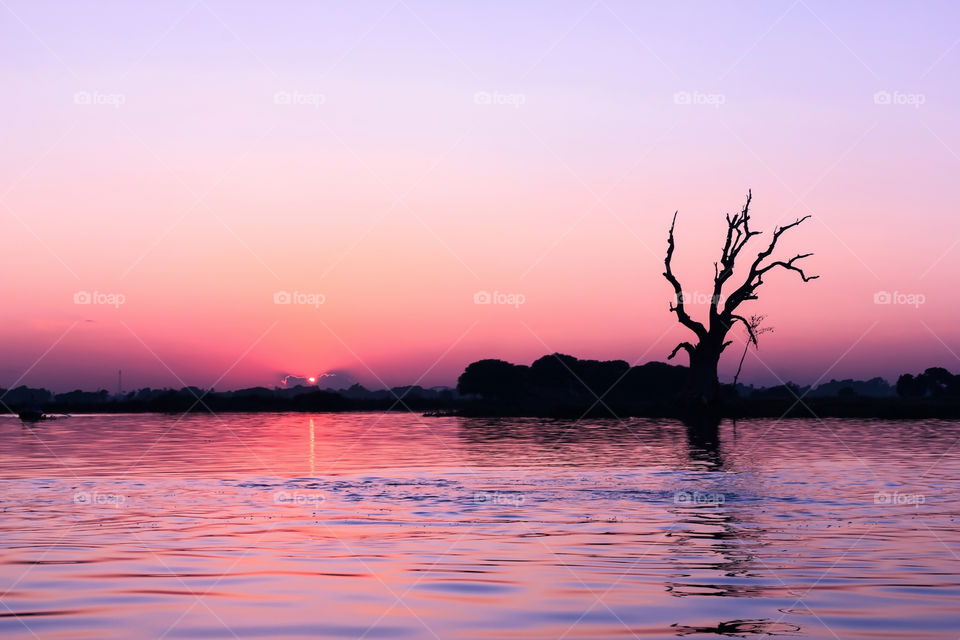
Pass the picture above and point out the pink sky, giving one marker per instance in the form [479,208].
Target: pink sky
[391,188]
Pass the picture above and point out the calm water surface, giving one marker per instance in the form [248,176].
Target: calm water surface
[396,526]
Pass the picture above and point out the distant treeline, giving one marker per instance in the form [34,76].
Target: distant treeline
[555,385]
[563,386]
[299,398]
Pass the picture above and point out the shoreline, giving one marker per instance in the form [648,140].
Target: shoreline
[806,408]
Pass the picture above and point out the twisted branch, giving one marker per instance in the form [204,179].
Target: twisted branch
[682,345]
[747,290]
[679,308]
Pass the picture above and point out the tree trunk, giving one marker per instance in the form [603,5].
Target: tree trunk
[703,383]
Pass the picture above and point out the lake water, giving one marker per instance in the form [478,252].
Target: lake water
[396,526]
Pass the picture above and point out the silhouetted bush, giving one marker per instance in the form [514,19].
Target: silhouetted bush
[935,382]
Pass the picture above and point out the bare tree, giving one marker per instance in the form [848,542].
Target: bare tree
[703,383]
[754,330]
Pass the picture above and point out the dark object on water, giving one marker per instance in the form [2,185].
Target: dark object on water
[741,628]
[33,415]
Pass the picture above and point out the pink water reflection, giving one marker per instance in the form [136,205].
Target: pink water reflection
[373,526]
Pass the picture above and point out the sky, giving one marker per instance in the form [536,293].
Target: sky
[221,193]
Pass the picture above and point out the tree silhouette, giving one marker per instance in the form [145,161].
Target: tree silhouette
[703,383]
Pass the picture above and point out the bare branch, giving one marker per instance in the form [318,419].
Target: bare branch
[750,327]
[789,265]
[754,279]
[682,345]
[773,241]
[738,234]
[679,308]
[753,330]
